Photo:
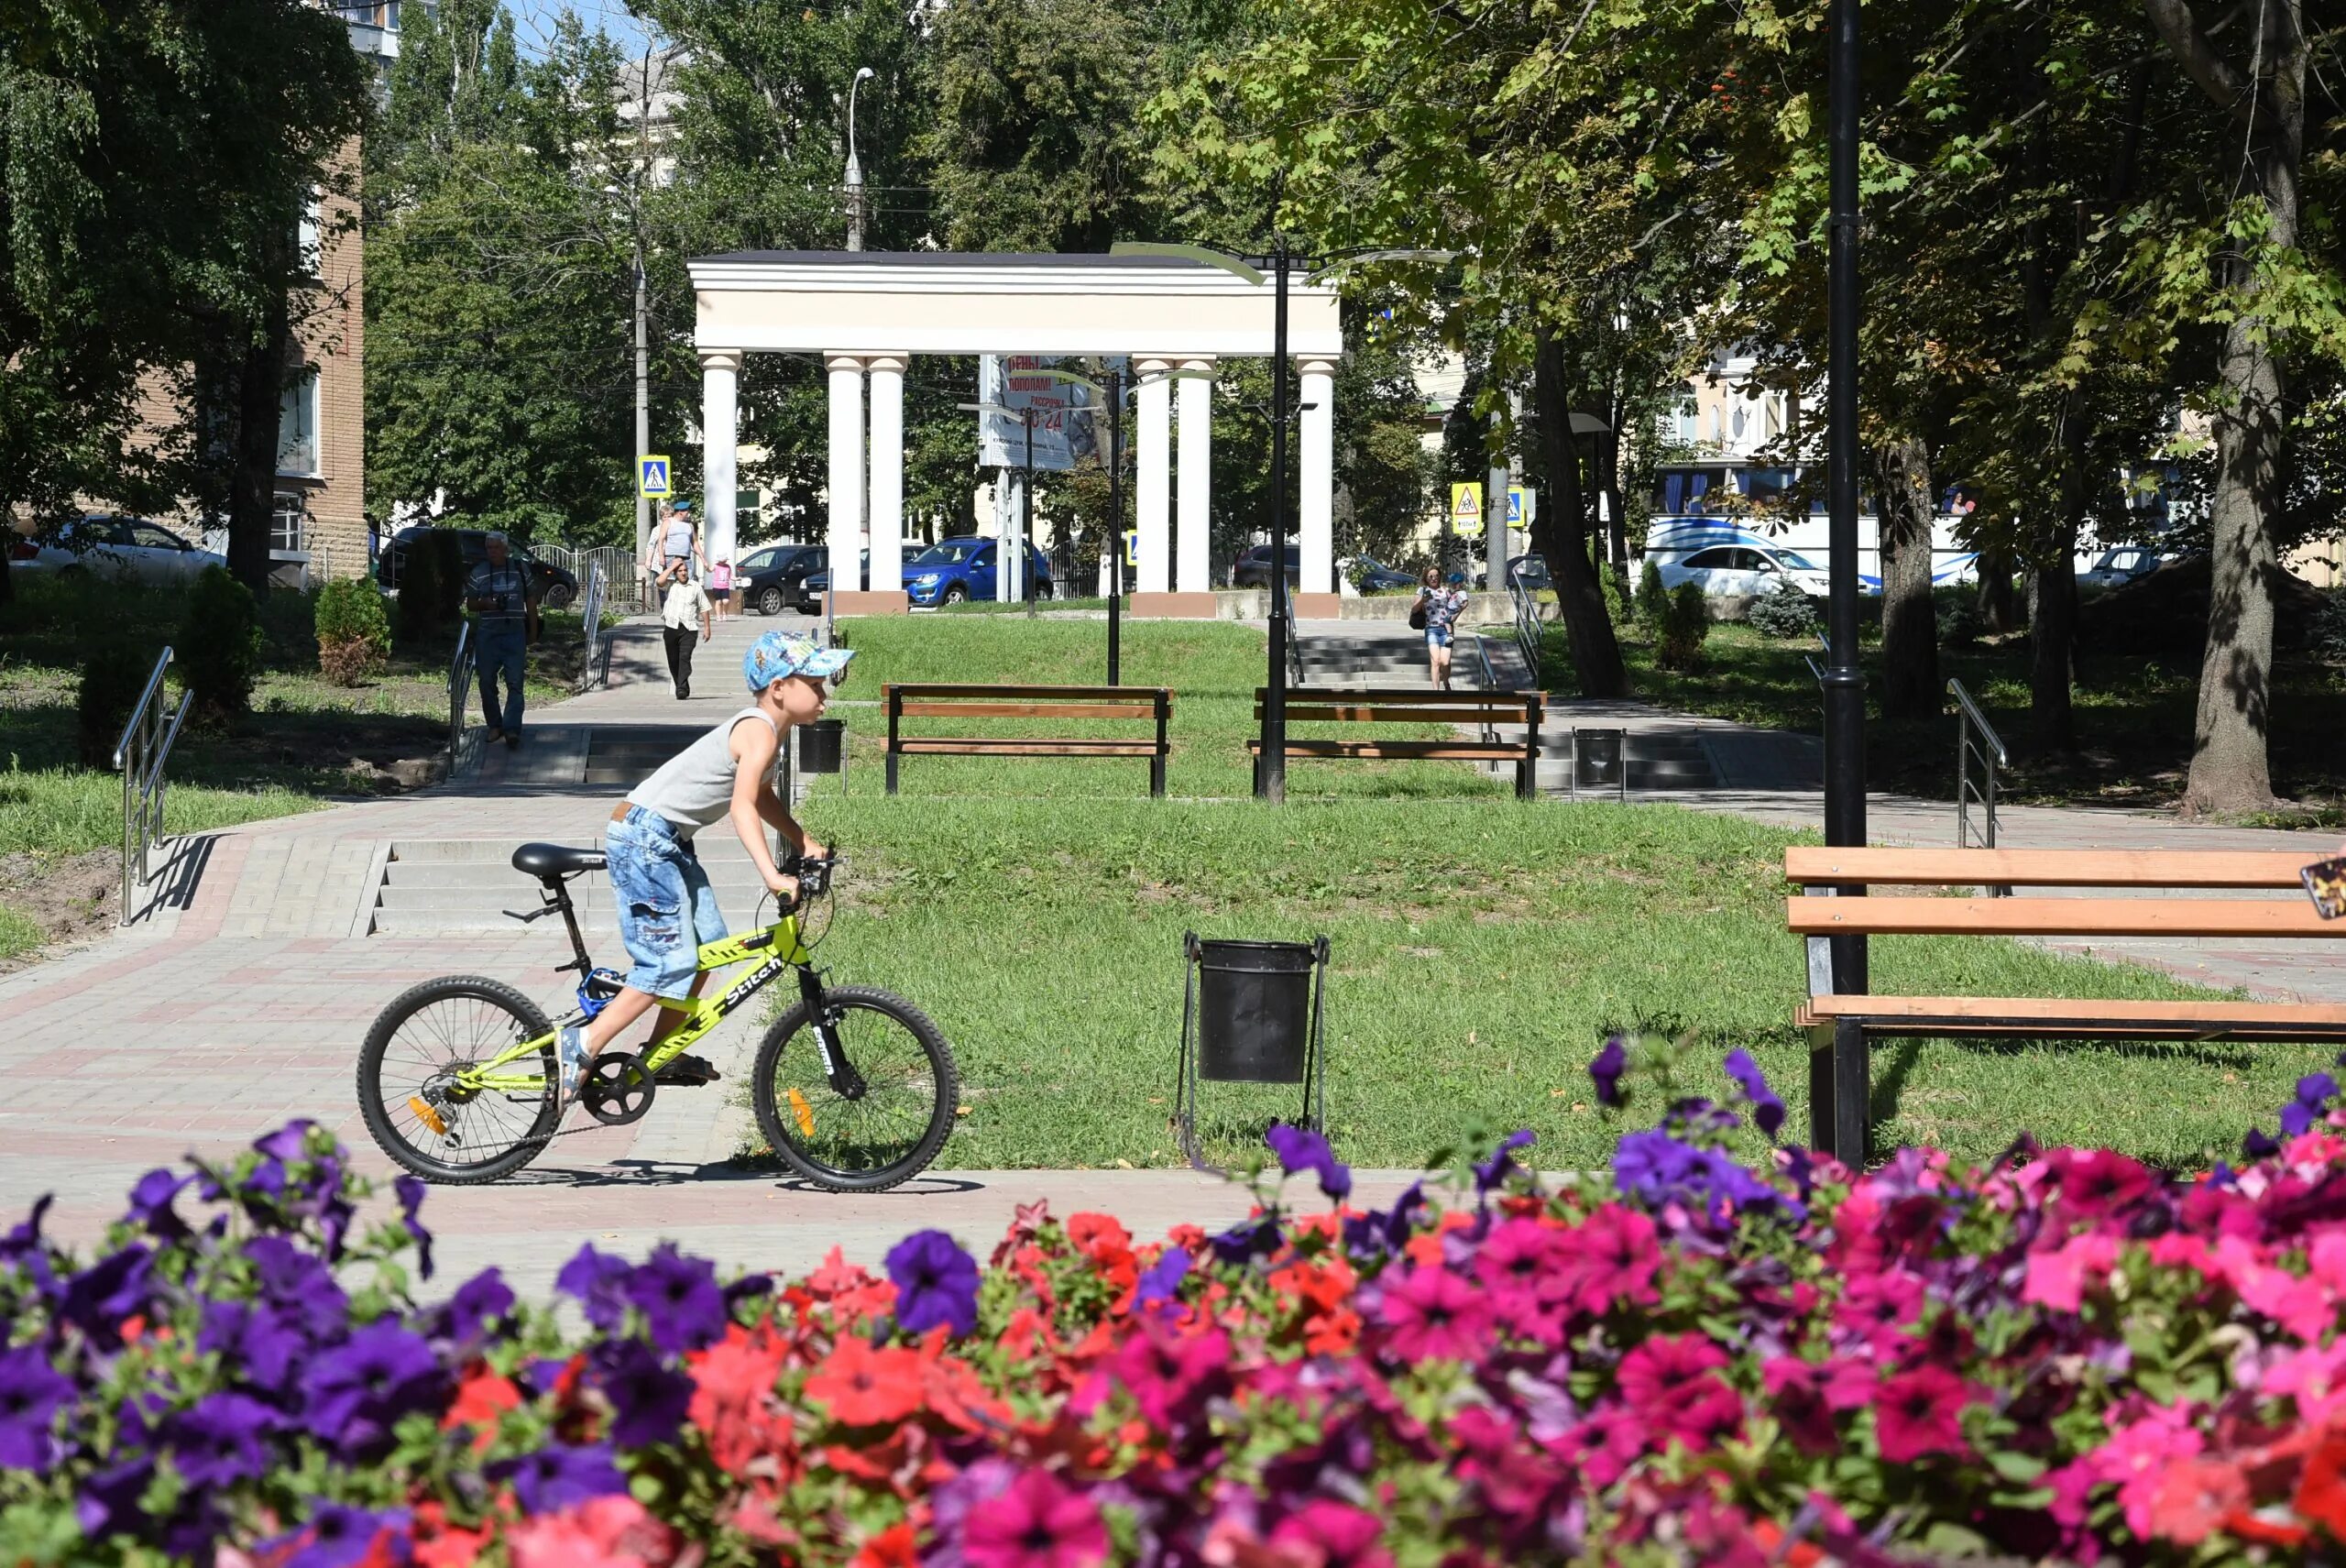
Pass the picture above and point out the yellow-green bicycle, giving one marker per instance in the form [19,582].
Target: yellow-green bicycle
[855,1088]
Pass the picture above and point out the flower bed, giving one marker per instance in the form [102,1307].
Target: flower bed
[1684,1360]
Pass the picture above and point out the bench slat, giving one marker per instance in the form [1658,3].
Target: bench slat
[1025,710]
[1322,713]
[1426,695]
[1446,750]
[2049,868]
[1105,694]
[972,745]
[2058,917]
[2074,1010]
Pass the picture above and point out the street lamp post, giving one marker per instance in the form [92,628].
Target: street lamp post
[1112,540]
[854,167]
[1005,572]
[1838,1082]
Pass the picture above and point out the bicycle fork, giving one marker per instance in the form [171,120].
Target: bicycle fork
[846,1082]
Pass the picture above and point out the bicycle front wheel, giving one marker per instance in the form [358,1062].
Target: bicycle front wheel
[414,1105]
[897,1106]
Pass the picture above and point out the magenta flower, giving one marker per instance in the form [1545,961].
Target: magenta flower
[1435,1315]
[1612,1256]
[1518,1260]
[1332,1534]
[1672,1382]
[1037,1521]
[1164,1371]
[1877,1306]
[1920,1411]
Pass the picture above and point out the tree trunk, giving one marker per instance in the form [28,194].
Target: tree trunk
[1999,605]
[1561,533]
[2053,635]
[252,486]
[1909,628]
[2230,756]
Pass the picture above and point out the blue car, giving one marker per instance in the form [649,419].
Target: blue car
[955,570]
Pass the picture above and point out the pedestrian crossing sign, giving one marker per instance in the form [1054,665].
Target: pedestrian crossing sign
[652,479]
[1466,507]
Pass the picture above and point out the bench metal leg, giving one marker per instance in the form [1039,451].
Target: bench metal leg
[1820,1088]
[891,773]
[1847,1107]
[1157,776]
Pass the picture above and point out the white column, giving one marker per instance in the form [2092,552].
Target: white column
[720,433]
[887,471]
[845,535]
[1194,482]
[1153,491]
[1316,511]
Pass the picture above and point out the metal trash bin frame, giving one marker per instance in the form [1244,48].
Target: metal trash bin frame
[1314,1112]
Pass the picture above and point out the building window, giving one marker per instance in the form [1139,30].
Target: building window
[289,524]
[297,427]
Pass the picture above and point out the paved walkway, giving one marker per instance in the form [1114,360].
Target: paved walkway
[243,1004]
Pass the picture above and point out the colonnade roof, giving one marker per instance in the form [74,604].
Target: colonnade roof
[847,302]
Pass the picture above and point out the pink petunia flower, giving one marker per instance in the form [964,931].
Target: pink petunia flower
[1435,1315]
[602,1533]
[1920,1411]
[2139,1454]
[1325,1534]
[1611,1257]
[2193,1498]
[1877,1306]
[1672,1382]
[2315,1378]
[1037,1521]
[2059,1278]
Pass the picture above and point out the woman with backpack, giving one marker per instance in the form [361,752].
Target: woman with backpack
[1436,614]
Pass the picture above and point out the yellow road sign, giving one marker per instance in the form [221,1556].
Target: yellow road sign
[1466,507]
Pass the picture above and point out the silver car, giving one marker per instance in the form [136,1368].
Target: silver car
[126,549]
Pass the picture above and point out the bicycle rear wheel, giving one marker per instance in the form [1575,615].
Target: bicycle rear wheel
[864,1142]
[417,1111]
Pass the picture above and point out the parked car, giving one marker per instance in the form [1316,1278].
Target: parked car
[1372,575]
[557,585]
[772,578]
[1252,567]
[1740,571]
[128,549]
[958,570]
[2116,568]
[1530,571]
[817,583]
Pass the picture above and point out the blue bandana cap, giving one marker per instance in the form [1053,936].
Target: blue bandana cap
[778,654]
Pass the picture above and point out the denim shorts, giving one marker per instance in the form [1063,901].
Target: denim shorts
[667,911]
[1437,636]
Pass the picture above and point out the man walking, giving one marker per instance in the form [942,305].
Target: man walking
[505,613]
[685,609]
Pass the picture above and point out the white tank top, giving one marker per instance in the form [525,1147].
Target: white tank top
[695,787]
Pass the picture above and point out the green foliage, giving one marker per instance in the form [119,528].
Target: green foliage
[1782,611]
[1686,623]
[353,633]
[1618,608]
[218,651]
[1654,600]
[112,675]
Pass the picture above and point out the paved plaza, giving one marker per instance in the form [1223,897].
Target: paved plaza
[242,1002]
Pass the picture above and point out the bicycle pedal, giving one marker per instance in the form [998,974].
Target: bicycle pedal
[688,1073]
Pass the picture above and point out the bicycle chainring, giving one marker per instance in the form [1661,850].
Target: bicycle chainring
[617,1090]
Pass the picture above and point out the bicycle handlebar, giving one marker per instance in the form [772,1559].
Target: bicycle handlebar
[813,879]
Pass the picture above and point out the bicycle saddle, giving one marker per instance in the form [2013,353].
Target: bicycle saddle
[555,859]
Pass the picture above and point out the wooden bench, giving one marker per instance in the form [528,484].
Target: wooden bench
[1417,705]
[930,701]
[1841,1018]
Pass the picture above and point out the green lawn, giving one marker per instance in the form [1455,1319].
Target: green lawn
[2134,711]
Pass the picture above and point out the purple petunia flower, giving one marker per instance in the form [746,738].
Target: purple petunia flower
[937,1282]
[1767,1109]
[411,1193]
[299,1282]
[264,1341]
[1300,1150]
[31,1393]
[108,1502]
[559,1476]
[2258,1145]
[599,1280]
[1163,1281]
[220,1441]
[289,1142]
[1606,1070]
[648,1398]
[479,1302]
[339,1535]
[1492,1173]
[679,1298]
[23,1239]
[355,1391]
[99,1298]
[151,1201]
[2310,1104]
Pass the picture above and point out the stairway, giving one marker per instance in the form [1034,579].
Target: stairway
[624,755]
[434,887]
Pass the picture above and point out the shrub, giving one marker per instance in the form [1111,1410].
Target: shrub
[1686,623]
[353,634]
[1779,610]
[1617,599]
[288,635]
[219,644]
[431,583]
[1957,612]
[112,675]
[1687,1359]
[1653,606]
[2328,629]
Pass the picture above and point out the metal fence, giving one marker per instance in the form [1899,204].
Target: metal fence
[145,747]
[618,566]
[590,611]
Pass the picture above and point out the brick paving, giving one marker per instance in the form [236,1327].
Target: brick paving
[245,1006]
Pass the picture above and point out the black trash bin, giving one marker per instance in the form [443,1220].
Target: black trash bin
[821,745]
[1254,1011]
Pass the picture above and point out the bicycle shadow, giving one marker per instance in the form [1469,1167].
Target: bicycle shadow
[626,1173]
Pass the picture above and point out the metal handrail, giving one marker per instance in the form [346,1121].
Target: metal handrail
[140,754]
[460,691]
[1527,622]
[1989,748]
[1490,730]
[590,607]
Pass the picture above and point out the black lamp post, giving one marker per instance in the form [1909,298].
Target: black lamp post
[1270,765]
[1114,537]
[1840,1083]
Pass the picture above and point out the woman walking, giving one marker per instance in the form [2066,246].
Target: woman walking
[1439,607]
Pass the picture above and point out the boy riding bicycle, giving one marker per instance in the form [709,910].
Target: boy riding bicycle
[667,908]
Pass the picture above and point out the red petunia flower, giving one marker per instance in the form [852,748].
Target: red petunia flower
[1435,1315]
[1920,1411]
[481,1399]
[2193,1498]
[615,1532]
[2321,1488]
[1672,1382]
[862,1387]
[1037,1521]
[733,1385]
[891,1548]
[1612,1257]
